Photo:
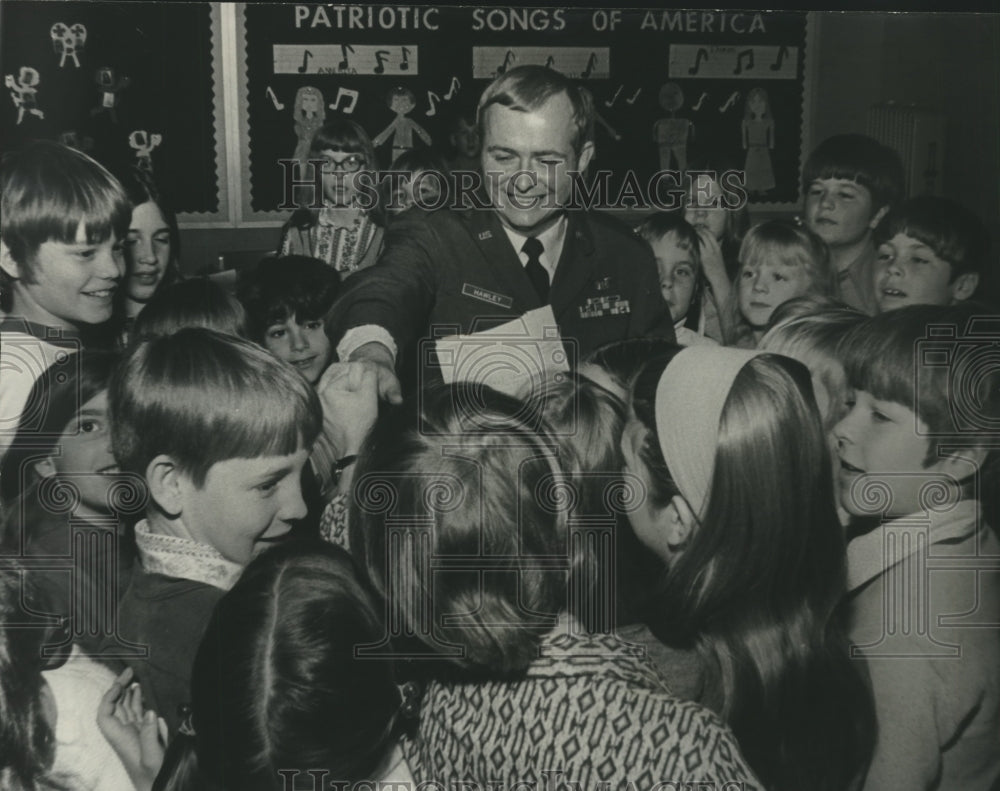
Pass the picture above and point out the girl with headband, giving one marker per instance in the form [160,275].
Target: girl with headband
[739,507]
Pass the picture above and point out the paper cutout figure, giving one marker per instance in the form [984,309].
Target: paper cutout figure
[401,101]
[758,140]
[144,143]
[672,134]
[110,85]
[24,92]
[308,115]
[350,94]
[67,42]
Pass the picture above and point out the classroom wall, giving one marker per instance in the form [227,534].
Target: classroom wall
[945,61]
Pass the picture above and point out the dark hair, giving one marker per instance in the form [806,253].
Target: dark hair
[53,404]
[623,360]
[292,285]
[278,682]
[947,227]
[202,397]
[526,88]
[483,480]
[858,158]
[657,225]
[758,587]
[27,740]
[198,302]
[880,356]
[46,191]
[141,188]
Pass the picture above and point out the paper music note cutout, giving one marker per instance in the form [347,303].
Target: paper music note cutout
[270,95]
[344,49]
[703,97]
[730,101]
[782,52]
[748,54]
[431,98]
[606,125]
[701,56]
[614,98]
[634,96]
[591,62]
[305,61]
[506,62]
[405,65]
[455,85]
[351,94]
[380,56]
[549,61]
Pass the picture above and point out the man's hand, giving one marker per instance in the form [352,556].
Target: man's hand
[376,357]
[349,395]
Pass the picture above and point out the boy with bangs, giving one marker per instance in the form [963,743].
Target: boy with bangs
[62,219]
[220,430]
[924,586]
[931,251]
[851,182]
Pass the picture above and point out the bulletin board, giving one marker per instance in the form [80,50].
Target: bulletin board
[673,89]
[126,82]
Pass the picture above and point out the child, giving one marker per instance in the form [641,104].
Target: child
[523,689]
[739,506]
[425,183]
[677,250]
[152,247]
[779,261]
[220,430]
[62,220]
[347,233]
[48,741]
[925,595]
[931,251]
[198,302]
[287,300]
[278,691]
[58,483]
[851,182]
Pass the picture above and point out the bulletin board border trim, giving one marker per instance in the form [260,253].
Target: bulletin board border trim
[223,217]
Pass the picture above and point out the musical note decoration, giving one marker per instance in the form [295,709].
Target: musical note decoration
[634,96]
[746,55]
[699,58]
[614,98]
[591,62]
[701,99]
[405,64]
[782,54]
[432,98]
[507,60]
[352,97]
[381,56]
[274,99]
[453,89]
[305,61]
[344,64]
[730,101]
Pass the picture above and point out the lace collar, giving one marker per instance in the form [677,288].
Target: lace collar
[184,558]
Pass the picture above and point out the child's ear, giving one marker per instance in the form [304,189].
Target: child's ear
[165,483]
[877,217]
[45,468]
[680,522]
[7,262]
[964,286]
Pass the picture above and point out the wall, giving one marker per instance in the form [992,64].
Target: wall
[944,61]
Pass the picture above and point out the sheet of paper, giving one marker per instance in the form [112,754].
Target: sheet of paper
[514,358]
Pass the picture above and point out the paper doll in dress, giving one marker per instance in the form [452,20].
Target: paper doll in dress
[309,113]
[672,134]
[758,140]
[401,101]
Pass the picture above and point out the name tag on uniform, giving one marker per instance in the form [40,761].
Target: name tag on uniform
[491,297]
[597,307]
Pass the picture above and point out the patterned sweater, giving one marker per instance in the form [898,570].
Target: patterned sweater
[589,711]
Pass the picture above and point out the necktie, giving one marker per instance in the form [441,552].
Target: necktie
[536,272]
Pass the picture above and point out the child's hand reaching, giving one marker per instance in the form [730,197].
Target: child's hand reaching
[349,394]
[138,737]
[713,264]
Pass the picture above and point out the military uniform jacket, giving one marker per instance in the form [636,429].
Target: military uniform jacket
[449,272]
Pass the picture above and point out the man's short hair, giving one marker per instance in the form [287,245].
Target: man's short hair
[858,158]
[202,397]
[526,88]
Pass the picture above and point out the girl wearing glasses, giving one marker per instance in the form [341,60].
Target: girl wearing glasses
[346,230]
